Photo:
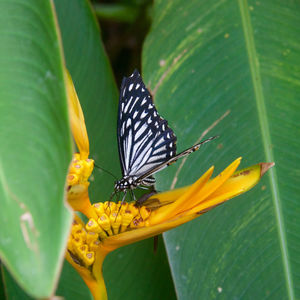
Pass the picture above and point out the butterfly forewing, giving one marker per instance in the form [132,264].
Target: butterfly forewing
[145,141]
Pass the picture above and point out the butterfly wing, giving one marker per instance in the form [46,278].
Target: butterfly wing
[145,140]
[174,159]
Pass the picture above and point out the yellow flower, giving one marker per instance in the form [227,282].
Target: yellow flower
[113,225]
[77,119]
[81,166]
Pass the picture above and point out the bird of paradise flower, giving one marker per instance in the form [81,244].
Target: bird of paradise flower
[113,225]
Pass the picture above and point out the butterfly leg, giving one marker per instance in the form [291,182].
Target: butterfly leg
[111,196]
[122,201]
[118,197]
[153,189]
[141,201]
[143,187]
[132,195]
[125,192]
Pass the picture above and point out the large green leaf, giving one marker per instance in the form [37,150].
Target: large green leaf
[98,94]
[35,145]
[94,83]
[201,59]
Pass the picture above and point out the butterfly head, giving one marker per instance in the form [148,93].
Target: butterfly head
[127,182]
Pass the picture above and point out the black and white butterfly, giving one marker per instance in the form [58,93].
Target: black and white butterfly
[145,141]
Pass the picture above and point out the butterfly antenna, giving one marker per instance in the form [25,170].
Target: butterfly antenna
[209,139]
[104,170]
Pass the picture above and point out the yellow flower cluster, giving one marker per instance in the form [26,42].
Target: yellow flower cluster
[115,218]
[80,170]
[82,245]
[112,219]
[77,185]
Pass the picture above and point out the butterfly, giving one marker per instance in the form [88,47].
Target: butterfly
[146,143]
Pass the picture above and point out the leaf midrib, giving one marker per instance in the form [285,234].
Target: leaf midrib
[266,139]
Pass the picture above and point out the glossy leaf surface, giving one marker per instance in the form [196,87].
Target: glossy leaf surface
[92,75]
[235,63]
[35,145]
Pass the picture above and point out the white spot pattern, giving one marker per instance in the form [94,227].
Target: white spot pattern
[128,123]
[127,105]
[163,148]
[143,115]
[136,125]
[133,105]
[140,132]
[144,101]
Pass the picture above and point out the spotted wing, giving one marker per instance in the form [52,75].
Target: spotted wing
[144,139]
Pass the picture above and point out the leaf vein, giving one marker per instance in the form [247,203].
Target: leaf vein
[266,138]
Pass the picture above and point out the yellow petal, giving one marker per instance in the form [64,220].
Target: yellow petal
[94,280]
[240,182]
[169,211]
[169,196]
[195,194]
[77,119]
[79,200]
[215,183]
[128,237]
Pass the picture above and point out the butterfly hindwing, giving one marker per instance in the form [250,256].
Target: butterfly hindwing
[145,141]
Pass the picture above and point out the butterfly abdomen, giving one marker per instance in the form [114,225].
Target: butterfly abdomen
[149,181]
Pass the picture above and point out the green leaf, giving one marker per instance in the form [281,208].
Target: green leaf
[2,292]
[243,58]
[35,145]
[12,289]
[93,79]
[71,285]
[136,271]
[98,95]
